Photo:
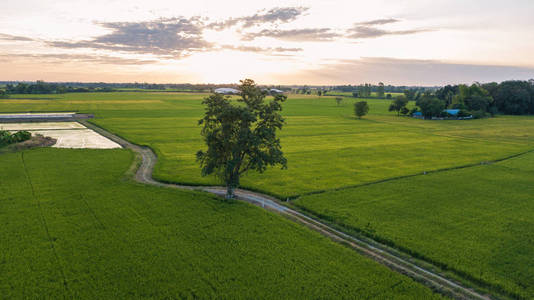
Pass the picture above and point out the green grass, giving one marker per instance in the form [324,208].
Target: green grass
[327,149]
[73,227]
[325,145]
[476,221]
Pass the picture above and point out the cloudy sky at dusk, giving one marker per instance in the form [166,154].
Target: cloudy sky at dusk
[416,42]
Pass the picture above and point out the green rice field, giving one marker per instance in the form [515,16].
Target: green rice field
[365,175]
[476,221]
[73,227]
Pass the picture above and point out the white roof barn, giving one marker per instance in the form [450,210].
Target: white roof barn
[276,91]
[226,91]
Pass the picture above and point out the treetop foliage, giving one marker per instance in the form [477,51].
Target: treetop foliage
[361,108]
[241,136]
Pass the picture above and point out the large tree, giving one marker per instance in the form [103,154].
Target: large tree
[380,90]
[241,136]
[430,105]
[515,97]
[361,109]
[474,98]
[398,104]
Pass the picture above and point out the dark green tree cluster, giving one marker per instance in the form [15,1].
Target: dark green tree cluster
[365,90]
[241,136]
[361,109]
[512,97]
[7,138]
[387,88]
[478,100]
[509,97]
[3,94]
[305,90]
[430,105]
[472,98]
[41,87]
[380,93]
[411,94]
[399,105]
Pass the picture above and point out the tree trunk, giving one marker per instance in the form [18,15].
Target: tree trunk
[229,192]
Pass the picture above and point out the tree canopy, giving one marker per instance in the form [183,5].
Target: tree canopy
[430,105]
[380,90]
[473,98]
[361,109]
[241,136]
[398,104]
[515,97]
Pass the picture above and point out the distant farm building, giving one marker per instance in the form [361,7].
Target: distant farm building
[452,112]
[448,114]
[275,91]
[272,91]
[226,91]
[418,115]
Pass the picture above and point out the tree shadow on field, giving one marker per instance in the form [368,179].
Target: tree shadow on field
[363,119]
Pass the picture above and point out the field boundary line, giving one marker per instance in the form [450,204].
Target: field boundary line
[471,165]
[375,250]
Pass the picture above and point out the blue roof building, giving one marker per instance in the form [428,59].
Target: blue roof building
[453,112]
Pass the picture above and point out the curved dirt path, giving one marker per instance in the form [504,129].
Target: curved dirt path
[372,249]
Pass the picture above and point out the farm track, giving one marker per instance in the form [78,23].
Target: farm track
[372,249]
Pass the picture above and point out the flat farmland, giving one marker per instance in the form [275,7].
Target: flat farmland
[326,147]
[476,221]
[73,227]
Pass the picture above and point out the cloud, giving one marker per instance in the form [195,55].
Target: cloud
[378,22]
[410,72]
[172,37]
[365,32]
[298,35]
[9,37]
[101,59]
[268,50]
[368,29]
[276,15]
[361,30]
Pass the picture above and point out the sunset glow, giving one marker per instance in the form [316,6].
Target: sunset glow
[279,42]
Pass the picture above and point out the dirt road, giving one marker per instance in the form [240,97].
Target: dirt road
[377,251]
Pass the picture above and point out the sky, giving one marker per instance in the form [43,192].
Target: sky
[319,42]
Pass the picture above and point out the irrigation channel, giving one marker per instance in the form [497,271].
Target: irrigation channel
[423,273]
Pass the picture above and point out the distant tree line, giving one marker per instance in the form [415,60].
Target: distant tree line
[479,100]
[368,88]
[41,87]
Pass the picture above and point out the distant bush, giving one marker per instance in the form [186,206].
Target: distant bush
[479,114]
[7,138]
[3,94]
[361,109]
[21,136]
[463,113]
